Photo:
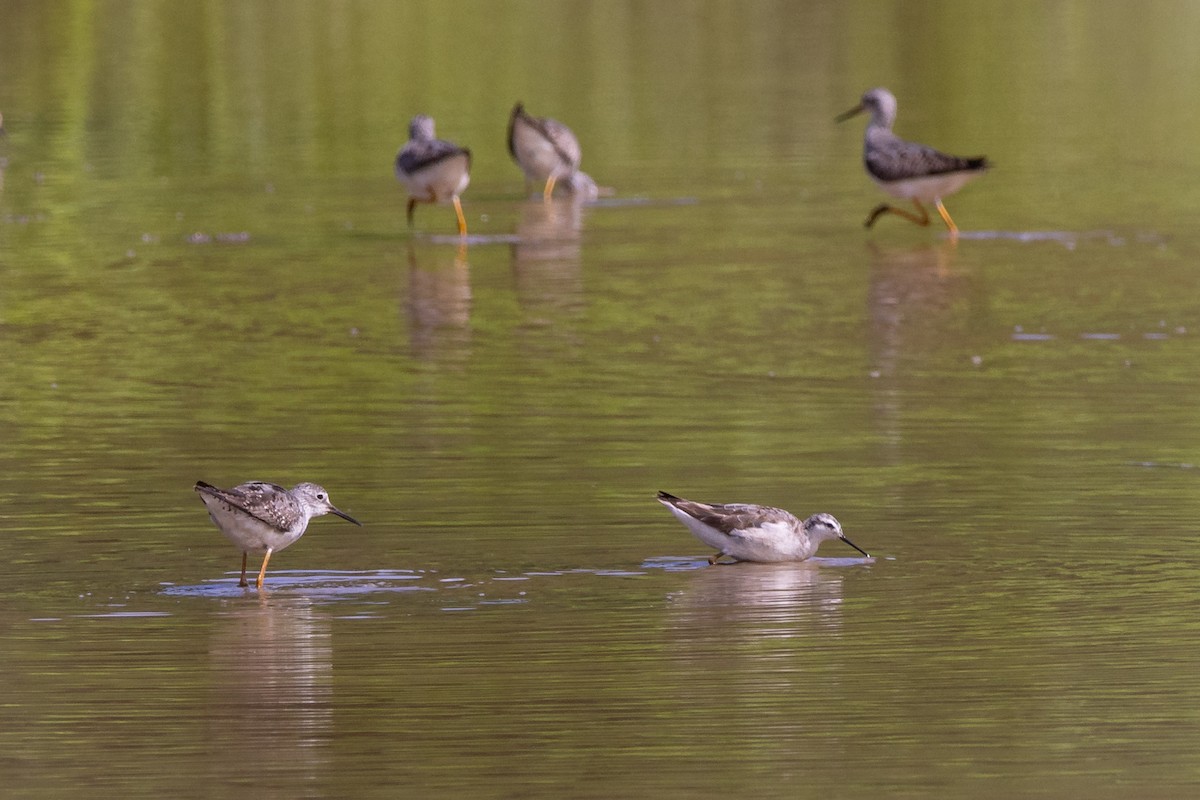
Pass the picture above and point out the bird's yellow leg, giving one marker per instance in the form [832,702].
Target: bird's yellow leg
[462,221]
[242,582]
[549,188]
[262,573]
[946,218]
[715,558]
[884,208]
[412,204]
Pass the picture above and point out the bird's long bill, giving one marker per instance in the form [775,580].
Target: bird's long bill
[345,516]
[845,115]
[856,547]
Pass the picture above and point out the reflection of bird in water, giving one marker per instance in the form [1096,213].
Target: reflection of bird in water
[547,254]
[546,150]
[433,169]
[921,306]
[906,169]
[769,600]
[263,518]
[748,532]
[439,301]
[271,710]
[918,302]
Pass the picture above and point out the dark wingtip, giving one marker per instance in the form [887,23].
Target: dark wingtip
[980,163]
[666,497]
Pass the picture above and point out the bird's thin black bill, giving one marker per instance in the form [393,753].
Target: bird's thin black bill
[345,516]
[856,547]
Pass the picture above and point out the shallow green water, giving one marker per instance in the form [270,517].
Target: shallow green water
[205,273]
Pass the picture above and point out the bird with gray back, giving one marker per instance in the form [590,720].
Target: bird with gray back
[264,518]
[748,532]
[909,170]
[432,169]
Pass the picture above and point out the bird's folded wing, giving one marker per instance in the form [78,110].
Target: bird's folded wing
[418,155]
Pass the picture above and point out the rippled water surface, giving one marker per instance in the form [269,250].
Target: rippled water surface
[205,273]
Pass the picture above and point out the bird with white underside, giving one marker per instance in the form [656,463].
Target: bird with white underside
[908,170]
[748,532]
[263,517]
[433,170]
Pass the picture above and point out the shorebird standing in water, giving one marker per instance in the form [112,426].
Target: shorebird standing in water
[755,533]
[263,518]
[546,150]
[909,170]
[433,169]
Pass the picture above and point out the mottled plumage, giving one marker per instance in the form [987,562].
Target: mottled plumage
[547,150]
[433,170]
[263,517]
[906,169]
[755,533]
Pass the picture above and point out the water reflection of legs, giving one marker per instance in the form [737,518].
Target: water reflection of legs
[546,259]
[754,600]
[919,304]
[912,291]
[439,302]
[272,677]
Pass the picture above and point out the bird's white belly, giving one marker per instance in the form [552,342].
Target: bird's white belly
[777,543]
[249,534]
[540,160]
[441,181]
[927,188]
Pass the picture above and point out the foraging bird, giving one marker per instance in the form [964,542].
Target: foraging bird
[755,533]
[433,169]
[547,150]
[263,518]
[909,170]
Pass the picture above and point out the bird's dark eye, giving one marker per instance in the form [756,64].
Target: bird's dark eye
[320,496]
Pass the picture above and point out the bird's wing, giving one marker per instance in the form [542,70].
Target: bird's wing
[266,502]
[896,159]
[416,155]
[557,134]
[564,141]
[738,520]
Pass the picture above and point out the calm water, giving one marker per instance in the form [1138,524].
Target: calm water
[205,273]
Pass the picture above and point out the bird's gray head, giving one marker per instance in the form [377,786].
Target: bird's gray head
[421,127]
[820,527]
[582,186]
[316,501]
[879,103]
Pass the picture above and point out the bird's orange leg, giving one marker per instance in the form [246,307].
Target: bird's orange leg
[946,218]
[262,573]
[242,582]
[884,208]
[462,221]
[549,188]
